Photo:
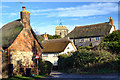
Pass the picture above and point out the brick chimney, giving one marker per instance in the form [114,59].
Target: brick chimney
[111,21]
[25,17]
[45,37]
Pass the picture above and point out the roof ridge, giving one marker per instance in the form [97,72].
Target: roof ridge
[91,25]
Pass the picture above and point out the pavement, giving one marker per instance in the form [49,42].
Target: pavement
[65,76]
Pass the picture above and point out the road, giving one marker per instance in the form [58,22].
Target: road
[65,76]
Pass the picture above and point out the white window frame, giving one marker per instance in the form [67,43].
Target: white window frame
[45,55]
[55,62]
[97,38]
[55,55]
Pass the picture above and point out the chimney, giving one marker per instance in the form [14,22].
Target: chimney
[25,17]
[23,8]
[111,21]
[45,37]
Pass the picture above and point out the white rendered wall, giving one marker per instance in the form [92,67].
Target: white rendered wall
[112,29]
[53,58]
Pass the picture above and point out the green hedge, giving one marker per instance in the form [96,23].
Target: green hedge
[87,61]
[45,67]
[111,42]
[113,47]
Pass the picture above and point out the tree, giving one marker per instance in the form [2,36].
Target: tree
[115,36]
[51,36]
[56,36]
[111,42]
[39,37]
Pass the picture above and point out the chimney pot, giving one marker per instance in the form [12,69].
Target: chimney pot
[110,17]
[45,37]
[111,21]
[23,8]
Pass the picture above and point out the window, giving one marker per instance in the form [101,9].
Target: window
[55,55]
[82,40]
[60,33]
[55,62]
[45,55]
[97,38]
[68,48]
[90,39]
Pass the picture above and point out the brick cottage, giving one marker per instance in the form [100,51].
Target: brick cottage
[20,44]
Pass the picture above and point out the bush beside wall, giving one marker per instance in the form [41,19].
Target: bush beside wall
[45,67]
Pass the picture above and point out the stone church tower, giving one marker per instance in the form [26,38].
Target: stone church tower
[61,30]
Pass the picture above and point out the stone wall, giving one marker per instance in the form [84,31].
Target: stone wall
[22,60]
[87,41]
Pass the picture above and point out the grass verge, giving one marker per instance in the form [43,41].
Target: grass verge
[16,77]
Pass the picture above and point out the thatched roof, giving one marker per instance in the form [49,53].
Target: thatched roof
[10,31]
[94,30]
[55,45]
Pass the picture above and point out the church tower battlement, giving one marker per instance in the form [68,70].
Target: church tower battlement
[61,30]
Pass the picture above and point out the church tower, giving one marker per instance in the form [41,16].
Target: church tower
[61,30]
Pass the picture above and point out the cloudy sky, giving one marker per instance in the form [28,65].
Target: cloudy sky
[46,15]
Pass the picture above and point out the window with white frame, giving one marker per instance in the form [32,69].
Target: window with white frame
[55,62]
[68,48]
[45,55]
[97,38]
[55,55]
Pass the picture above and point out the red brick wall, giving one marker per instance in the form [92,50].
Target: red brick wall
[23,49]
[25,42]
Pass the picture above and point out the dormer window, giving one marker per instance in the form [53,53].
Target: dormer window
[68,48]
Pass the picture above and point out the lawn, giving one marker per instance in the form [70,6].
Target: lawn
[16,77]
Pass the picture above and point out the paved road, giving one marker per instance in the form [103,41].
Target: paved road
[64,76]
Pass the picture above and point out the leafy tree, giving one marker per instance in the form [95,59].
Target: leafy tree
[111,42]
[39,37]
[115,36]
[87,61]
[52,36]
[56,36]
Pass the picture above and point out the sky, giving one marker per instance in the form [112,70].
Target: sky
[46,15]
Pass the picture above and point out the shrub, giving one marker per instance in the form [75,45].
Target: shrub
[61,62]
[45,67]
[85,47]
[113,47]
[114,36]
[111,42]
[83,60]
